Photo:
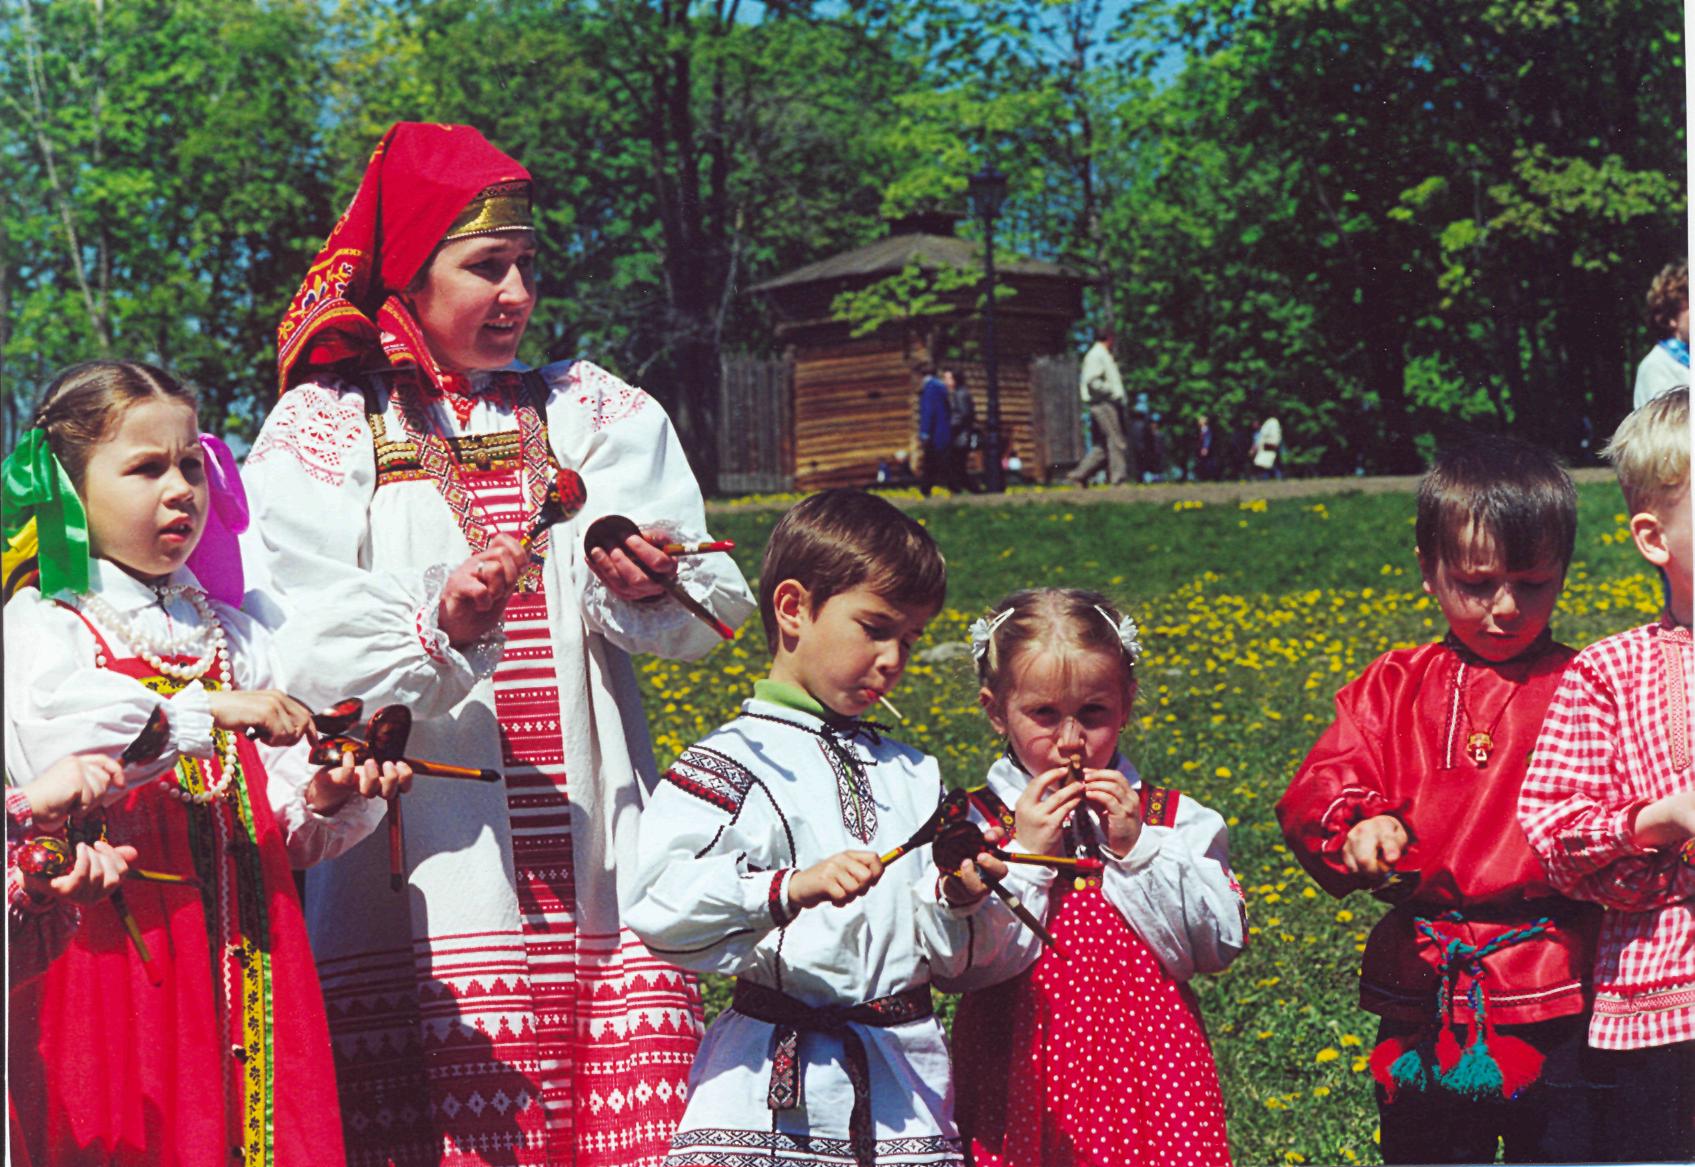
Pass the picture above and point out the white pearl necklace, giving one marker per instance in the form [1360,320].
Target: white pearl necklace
[209,640]
[229,765]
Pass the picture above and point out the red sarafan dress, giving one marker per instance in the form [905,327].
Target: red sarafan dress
[216,1049]
[1097,1058]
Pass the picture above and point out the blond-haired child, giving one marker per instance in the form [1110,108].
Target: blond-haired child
[1609,805]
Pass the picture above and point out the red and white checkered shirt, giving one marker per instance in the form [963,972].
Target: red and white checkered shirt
[1616,738]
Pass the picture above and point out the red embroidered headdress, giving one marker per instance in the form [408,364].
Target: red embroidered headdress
[424,183]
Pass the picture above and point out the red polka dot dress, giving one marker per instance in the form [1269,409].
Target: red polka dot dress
[1099,1060]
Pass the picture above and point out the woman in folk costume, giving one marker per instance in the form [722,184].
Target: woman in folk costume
[182,1024]
[496,1010]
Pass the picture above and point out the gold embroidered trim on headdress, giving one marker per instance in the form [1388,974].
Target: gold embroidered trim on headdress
[505,206]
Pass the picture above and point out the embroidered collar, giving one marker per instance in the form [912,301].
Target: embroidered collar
[783,704]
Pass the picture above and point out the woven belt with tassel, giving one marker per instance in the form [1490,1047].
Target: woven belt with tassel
[1491,1063]
[792,1018]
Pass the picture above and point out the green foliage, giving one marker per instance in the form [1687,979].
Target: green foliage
[1253,615]
[160,168]
[1379,220]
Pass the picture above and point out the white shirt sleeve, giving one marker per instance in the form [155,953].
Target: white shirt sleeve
[623,444]
[347,630]
[1176,891]
[984,943]
[714,869]
[58,701]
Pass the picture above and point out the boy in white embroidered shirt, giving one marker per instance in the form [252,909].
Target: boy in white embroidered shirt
[760,858]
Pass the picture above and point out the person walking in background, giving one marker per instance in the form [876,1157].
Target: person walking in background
[935,431]
[1268,447]
[962,418]
[1102,391]
[1206,450]
[1667,364]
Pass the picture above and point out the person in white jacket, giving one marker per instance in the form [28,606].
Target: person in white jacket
[497,1008]
[1102,391]
[1667,364]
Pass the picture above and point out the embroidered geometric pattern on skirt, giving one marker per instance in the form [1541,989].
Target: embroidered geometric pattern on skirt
[715,1147]
[227,866]
[615,1028]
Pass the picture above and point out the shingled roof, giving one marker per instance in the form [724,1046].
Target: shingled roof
[893,252]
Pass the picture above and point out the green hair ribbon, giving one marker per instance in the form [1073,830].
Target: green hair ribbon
[36,485]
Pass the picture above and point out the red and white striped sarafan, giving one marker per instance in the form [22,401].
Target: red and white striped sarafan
[539,1045]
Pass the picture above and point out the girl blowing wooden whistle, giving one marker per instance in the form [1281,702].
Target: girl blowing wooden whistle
[1099,1058]
[205,989]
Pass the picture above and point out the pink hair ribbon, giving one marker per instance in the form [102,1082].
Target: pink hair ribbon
[216,560]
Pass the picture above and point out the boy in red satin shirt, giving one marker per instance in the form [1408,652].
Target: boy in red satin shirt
[1609,805]
[1478,974]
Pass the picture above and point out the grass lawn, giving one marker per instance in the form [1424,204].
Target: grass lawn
[1253,615]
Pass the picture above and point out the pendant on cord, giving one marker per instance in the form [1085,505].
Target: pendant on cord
[1478,746]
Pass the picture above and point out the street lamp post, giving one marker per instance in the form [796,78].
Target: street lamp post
[988,192]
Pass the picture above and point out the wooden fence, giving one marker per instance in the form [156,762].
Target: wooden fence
[757,433]
[755,426]
[1056,413]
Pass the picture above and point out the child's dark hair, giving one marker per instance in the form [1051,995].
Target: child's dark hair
[836,540]
[1067,622]
[1508,491]
[82,405]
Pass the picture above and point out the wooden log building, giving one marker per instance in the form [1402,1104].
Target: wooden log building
[854,401]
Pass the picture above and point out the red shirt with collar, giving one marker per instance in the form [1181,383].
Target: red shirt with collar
[1399,747]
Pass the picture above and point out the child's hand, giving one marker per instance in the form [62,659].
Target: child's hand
[841,879]
[332,786]
[1669,820]
[620,570]
[1374,846]
[475,597]
[1040,820]
[1120,808]
[74,783]
[966,886]
[279,718]
[96,874]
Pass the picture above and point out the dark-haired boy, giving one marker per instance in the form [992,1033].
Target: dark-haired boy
[1478,974]
[760,859]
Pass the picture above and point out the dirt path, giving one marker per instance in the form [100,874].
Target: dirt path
[1164,493]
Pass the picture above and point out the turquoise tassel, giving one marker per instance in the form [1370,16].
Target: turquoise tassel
[1412,1069]
[1476,1075]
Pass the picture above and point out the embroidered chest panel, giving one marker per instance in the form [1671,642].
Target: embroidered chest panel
[853,790]
[417,452]
[400,460]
